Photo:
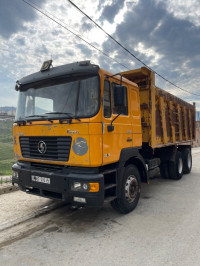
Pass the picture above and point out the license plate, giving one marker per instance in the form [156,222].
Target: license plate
[40,179]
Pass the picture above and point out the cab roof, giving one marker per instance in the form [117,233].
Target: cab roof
[78,68]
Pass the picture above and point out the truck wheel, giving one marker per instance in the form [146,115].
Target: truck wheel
[176,167]
[130,191]
[164,170]
[187,161]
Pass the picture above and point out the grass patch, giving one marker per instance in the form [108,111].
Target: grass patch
[6,131]
[6,166]
[6,151]
[6,148]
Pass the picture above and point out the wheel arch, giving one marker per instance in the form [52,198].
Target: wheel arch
[183,147]
[132,156]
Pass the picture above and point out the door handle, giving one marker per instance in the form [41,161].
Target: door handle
[128,140]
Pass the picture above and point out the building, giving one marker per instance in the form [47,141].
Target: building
[11,112]
[196,143]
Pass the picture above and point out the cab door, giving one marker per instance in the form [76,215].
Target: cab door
[121,135]
[136,116]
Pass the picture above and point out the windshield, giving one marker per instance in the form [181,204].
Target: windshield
[73,99]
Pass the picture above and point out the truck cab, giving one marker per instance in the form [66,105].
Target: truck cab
[63,143]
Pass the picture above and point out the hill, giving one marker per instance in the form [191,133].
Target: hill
[6,109]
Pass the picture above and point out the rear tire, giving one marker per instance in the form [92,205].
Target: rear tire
[164,169]
[176,167]
[130,191]
[187,160]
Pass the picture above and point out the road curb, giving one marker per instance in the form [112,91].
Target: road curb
[42,211]
[7,189]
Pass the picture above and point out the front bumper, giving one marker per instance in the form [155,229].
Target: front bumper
[60,183]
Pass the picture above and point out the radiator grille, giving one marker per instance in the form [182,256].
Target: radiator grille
[57,148]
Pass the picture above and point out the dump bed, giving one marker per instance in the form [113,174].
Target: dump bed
[166,119]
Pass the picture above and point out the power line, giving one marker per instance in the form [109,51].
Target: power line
[117,42]
[46,12]
[101,51]
[82,12]
[78,36]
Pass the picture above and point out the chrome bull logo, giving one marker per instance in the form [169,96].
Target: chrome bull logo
[42,147]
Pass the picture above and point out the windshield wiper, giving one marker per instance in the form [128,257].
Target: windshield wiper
[59,113]
[36,116]
[30,118]
[69,115]
[21,122]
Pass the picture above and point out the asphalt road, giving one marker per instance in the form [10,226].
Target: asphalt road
[163,230]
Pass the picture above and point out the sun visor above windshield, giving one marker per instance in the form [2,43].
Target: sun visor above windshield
[79,68]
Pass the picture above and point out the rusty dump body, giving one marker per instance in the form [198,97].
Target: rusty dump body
[166,119]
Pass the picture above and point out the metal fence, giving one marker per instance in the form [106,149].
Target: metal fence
[5,180]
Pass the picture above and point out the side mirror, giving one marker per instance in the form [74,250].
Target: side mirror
[110,128]
[119,95]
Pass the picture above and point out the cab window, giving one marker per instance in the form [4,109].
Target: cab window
[107,99]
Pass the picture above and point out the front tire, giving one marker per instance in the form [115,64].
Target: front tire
[130,191]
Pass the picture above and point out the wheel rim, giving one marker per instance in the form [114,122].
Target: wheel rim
[131,188]
[180,165]
[189,160]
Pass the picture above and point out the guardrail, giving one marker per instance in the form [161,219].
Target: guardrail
[5,180]
[6,185]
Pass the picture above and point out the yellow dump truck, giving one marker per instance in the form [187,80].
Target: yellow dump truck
[86,136]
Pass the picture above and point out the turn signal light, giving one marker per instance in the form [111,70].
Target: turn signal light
[94,187]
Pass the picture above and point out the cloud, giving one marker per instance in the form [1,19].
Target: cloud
[12,16]
[110,11]
[155,32]
[21,41]
[7,91]
[85,50]
[42,50]
[86,25]
[189,10]
[168,44]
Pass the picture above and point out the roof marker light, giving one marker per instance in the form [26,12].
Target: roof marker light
[46,65]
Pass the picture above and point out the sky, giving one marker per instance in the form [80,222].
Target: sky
[163,34]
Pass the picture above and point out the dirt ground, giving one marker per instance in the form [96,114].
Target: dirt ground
[163,230]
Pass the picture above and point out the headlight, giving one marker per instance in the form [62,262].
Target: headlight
[78,186]
[15,174]
[85,187]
